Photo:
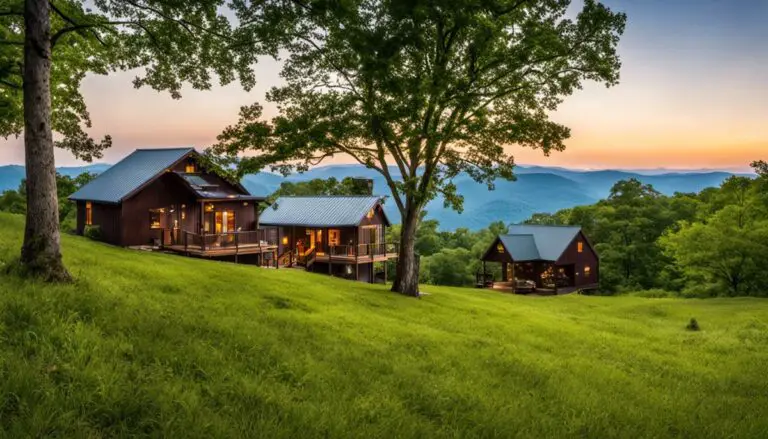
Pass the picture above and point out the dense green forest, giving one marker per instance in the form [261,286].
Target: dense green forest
[714,243]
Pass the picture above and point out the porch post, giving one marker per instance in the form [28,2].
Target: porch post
[357,266]
[386,262]
[483,278]
[201,227]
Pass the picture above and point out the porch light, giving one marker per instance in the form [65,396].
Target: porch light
[285,240]
[245,203]
[230,196]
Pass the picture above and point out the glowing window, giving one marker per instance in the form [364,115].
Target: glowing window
[500,248]
[154,218]
[334,237]
[190,168]
[370,214]
[587,270]
[581,246]
[88,213]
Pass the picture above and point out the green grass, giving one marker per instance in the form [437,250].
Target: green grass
[147,344]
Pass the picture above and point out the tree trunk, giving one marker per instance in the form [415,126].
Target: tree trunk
[40,254]
[407,273]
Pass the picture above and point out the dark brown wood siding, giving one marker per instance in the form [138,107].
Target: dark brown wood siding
[165,191]
[493,255]
[106,216]
[587,258]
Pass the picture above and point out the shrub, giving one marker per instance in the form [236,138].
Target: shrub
[693,325]
[92,232]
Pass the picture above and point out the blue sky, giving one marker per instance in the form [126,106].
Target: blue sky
[693,94]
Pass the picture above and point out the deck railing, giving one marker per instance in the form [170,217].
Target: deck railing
[211,241]
[361,251]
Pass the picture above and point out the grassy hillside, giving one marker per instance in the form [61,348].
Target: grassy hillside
[160,345]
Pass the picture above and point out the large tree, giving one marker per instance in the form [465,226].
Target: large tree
[46,49]
[422,91]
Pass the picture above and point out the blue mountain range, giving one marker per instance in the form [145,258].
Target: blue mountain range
[537,189]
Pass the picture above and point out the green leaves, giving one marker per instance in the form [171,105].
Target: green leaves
[169,42]
[435,88]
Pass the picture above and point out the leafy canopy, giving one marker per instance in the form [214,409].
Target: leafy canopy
[433,88]
[169,42]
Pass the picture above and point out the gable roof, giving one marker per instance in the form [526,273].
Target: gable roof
[129,174]
[520,247]
[543,243]
[320,211]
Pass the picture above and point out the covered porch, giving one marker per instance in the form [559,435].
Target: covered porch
[214,227]
[322,250]
[539,277]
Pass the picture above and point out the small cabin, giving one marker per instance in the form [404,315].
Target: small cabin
[542,259]
[166,198]
[337,235]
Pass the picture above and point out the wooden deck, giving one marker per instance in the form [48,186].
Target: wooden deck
[352,259]
[230,250]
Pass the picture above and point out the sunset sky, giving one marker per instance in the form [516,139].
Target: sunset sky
[693,94]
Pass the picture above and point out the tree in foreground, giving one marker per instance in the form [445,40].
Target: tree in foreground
[47,48]
[423,91]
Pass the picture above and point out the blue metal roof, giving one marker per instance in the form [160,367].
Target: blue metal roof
[533,242]
[520,247]
[319,211]
[129,174]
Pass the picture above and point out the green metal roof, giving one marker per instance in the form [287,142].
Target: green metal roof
[129,174]
[538,243]
[319,211]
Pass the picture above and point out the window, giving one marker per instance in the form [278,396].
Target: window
[155,216]
[88,213]
[370,214]
[581,246]
[587,270]
[190,168]
[334,237]
[500,248]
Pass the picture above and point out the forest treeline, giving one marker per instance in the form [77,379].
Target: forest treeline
[711,243]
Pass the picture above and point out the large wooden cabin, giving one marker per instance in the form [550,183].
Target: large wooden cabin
[543,259]
[338,235]
[166,198]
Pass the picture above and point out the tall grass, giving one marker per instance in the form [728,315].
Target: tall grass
[158,345]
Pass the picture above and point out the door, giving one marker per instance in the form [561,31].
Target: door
[510,272]
[315,241]
[225,224]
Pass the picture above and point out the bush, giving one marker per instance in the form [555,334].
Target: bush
[92,232]
[693,325]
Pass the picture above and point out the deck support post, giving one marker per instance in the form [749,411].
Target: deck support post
[237,245]
[386,262]
[357,252]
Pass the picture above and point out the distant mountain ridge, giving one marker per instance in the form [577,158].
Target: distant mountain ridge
[537,189]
